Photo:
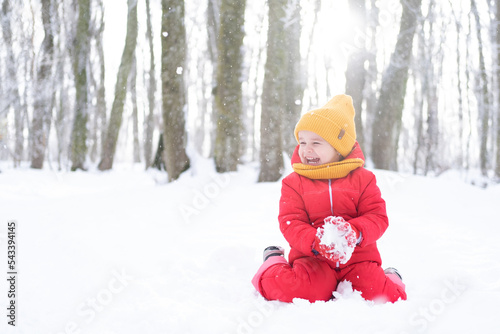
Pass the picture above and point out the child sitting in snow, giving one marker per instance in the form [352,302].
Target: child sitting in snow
[331,213]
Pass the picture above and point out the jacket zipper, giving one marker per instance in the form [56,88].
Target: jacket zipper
[331,195]
[331,206]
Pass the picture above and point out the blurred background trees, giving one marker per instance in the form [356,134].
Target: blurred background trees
[236,75]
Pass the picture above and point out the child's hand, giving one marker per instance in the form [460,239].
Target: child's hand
[336,240]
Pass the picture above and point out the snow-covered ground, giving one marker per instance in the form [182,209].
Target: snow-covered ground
[126,252]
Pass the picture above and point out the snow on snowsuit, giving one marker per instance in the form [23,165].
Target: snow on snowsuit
[304,204]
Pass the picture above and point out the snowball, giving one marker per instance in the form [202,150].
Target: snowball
[339,237]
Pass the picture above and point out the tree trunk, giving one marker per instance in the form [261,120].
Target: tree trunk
[273,95]
[44,89]
[213,22]
[151,86]
[12,94]
[482,96]
[432,59]
[80,58]
[173,64]
[63,62]
[135,112]
[294,80]
[228,93]
[371,80]
[158,161]
[419,127]
[116,116]
[497,40]
[99,127]
[257,60]
[460,107]
[468,79]
[387,122]
[355,73]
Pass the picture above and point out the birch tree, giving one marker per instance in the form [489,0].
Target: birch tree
[173,62]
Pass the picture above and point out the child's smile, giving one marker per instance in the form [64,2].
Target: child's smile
[312,161]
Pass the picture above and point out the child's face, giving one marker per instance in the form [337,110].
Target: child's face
[314,150]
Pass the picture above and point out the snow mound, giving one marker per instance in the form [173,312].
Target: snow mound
[119,252]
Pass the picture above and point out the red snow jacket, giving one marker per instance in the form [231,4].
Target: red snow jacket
[306,202]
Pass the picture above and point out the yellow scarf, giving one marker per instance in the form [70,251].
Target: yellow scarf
[334,170]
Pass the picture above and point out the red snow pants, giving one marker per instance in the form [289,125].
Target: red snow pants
[314,279]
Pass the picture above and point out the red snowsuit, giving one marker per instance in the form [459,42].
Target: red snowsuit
[304,204]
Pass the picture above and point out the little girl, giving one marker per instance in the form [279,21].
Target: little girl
[332,214]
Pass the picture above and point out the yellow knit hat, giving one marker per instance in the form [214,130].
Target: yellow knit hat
[334,122]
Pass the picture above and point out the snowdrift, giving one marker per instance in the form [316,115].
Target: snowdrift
[126,252]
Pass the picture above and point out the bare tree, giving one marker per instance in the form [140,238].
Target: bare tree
[355,73]
[116,116]
[294,79]
[482,95]
[213,22]
[228,95]
[135,111]
[433,74]
[428,72]
[257,60]
[44,89]
[80,58]
[151,87]
[496,30]
[371,79]
[64,98]
[173,62]
[273,96]
[388,118]
[98,76]
[12,96]
[460,107]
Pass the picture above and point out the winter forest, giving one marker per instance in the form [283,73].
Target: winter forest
[143,144]
[86,83]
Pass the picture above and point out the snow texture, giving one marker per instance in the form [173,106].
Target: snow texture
[126,252]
